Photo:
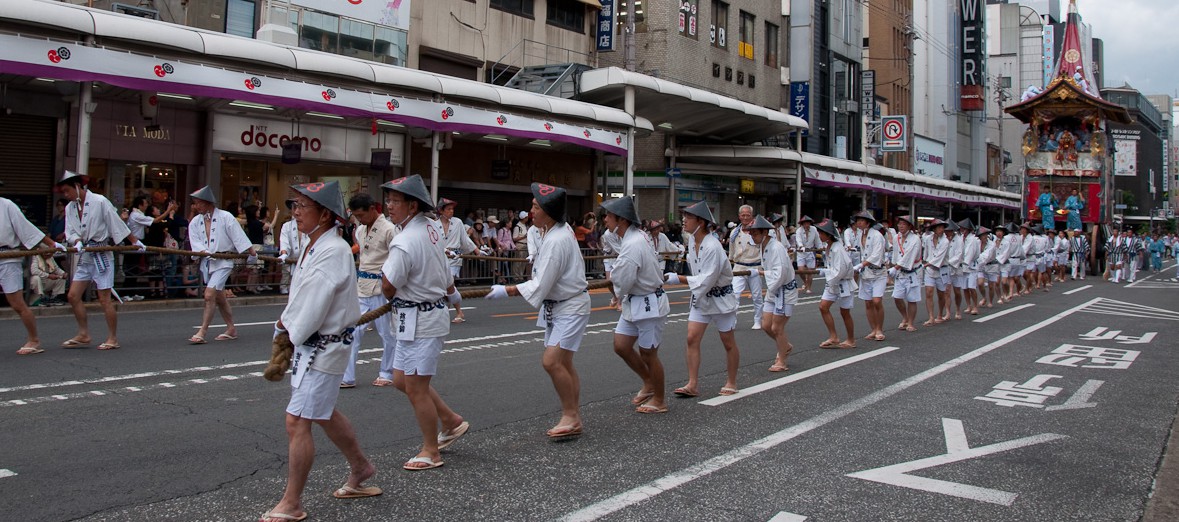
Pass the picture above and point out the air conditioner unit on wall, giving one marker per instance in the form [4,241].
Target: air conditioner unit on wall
[141,12]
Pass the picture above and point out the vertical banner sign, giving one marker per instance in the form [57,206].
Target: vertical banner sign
[868,93]
[800,100]
[894,132]
[606,26]
[971,62]
[689,14]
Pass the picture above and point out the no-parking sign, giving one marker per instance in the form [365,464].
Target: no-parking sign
[894,133]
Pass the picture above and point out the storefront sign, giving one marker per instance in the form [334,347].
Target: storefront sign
[267,137]
[867,92]
[1126,151]
[800,100]
[931,157]
[605,30]
[748,187]
[971,58]
[391,13]
[156,133]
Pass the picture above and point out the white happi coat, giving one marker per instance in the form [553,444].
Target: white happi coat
[557,286]
[456,242]
[988,256]
[323,300]
[637,275]
[137,222]
[534,237]
[872,250]
[417,268]
[97,223]
[781,283]
[611,245]
[970,250]
[804,238]
[291,240]
[713,274]
[907,254]
[1009,250]
[936,252]
[838,270]
[16,231]
[373,243]
[225,235]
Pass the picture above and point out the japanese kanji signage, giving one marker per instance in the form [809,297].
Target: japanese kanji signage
[800,100]
[605,28]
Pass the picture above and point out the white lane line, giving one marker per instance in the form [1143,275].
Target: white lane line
[5,473]
[747,392]
[1003,313]
[668,482]
[787,517]
[1075,290]
[258,323]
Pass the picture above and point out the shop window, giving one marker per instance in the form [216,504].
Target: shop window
[519,7]
[745,45]
[688,18]
[239,18]
[771,45]
[720,24]
[568,14]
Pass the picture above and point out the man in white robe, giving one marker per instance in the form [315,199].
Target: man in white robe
[871,268]
[15,232]
[638,283]
[781,289]
[906,273]
[969,266]
[713,298]
[213,231]
[988,267]
[935,249]
[956,283]
[290,247]
[746,256]
[415,278]
[373,237]
[806,240]
[558,290]
[840,289]
[456,242]
[319,318]
[91,220]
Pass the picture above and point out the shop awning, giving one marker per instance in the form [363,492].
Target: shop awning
[194,62]
[687,111]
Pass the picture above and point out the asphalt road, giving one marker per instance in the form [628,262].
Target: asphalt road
[1060,410]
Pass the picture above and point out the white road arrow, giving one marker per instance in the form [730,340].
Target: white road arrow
[957,449]
[5,473]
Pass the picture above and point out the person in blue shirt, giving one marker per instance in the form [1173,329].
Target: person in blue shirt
[1074,204]
[1156,253]
[1047,204]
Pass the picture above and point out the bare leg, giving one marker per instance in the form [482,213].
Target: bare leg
[16,300]
[849,324]
[417,389]
[692,356]
[77,289]
[828,320]
[929,304]
[211,301]
[655,371]
[226,314]
[624,346]
[339,431]
[732,358]
[301,450]
[112,317]
[559,365]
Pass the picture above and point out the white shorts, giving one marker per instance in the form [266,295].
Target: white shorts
[992,277]
[724,322]
[1042,266]
[872,288]
[608,265]
[88,270]
[419,356]
[961,280]
[805,259]
[907,287]
[781,310]
[933,277]
[217,279]
[846,302]
[454,270]
[648,331]
[12,277]
[972,280]
[315,398]
[566,331]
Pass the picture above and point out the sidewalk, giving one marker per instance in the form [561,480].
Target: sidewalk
[148,305]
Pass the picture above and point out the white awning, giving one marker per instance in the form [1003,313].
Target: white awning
[687,111]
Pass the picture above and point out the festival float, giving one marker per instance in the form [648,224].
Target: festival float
[1065,146]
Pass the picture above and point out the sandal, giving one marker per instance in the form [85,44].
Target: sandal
[29,350]
[845,345]
[684,391]
[641,397]
[728,391]
[779,368]
[828,344]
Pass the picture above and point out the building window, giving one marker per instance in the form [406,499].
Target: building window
[720,24]
[568,14]
[390,46]
[745,46]
[640,17]
[356,39]
[239,18]
[520,7]
[321,32]
[771,45]
[689,16]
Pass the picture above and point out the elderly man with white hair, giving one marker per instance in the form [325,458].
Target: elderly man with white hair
[746,255]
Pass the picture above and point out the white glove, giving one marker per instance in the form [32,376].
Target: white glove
[59,246]
[455,297]
[277,330]
[858,269]
[78,246]
[672,278]
[252,259]
[497,292]
[142,247]
[892,272]
[529,259]
[282,258]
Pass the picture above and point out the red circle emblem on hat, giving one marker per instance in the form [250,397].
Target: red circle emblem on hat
[545,190]
[398,181]
[313,187]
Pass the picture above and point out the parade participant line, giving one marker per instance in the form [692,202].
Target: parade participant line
[668,482]
[1003,313]
[765,386]
[1075,290]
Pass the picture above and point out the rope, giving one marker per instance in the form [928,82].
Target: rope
[134,249]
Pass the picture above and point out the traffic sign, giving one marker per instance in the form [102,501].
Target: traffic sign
[894,131]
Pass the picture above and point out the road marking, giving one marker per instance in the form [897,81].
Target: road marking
[1113,307]
[957,449]
[668,482]
[258,323]
[1075,290]
[750,391]
[787,517]
[5,473]
[1003,313]
[1080,398]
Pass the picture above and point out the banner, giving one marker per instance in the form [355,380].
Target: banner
[971,58]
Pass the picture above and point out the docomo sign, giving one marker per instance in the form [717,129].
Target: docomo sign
[257,136]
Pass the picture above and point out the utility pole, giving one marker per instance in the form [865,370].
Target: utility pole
[1001,97]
